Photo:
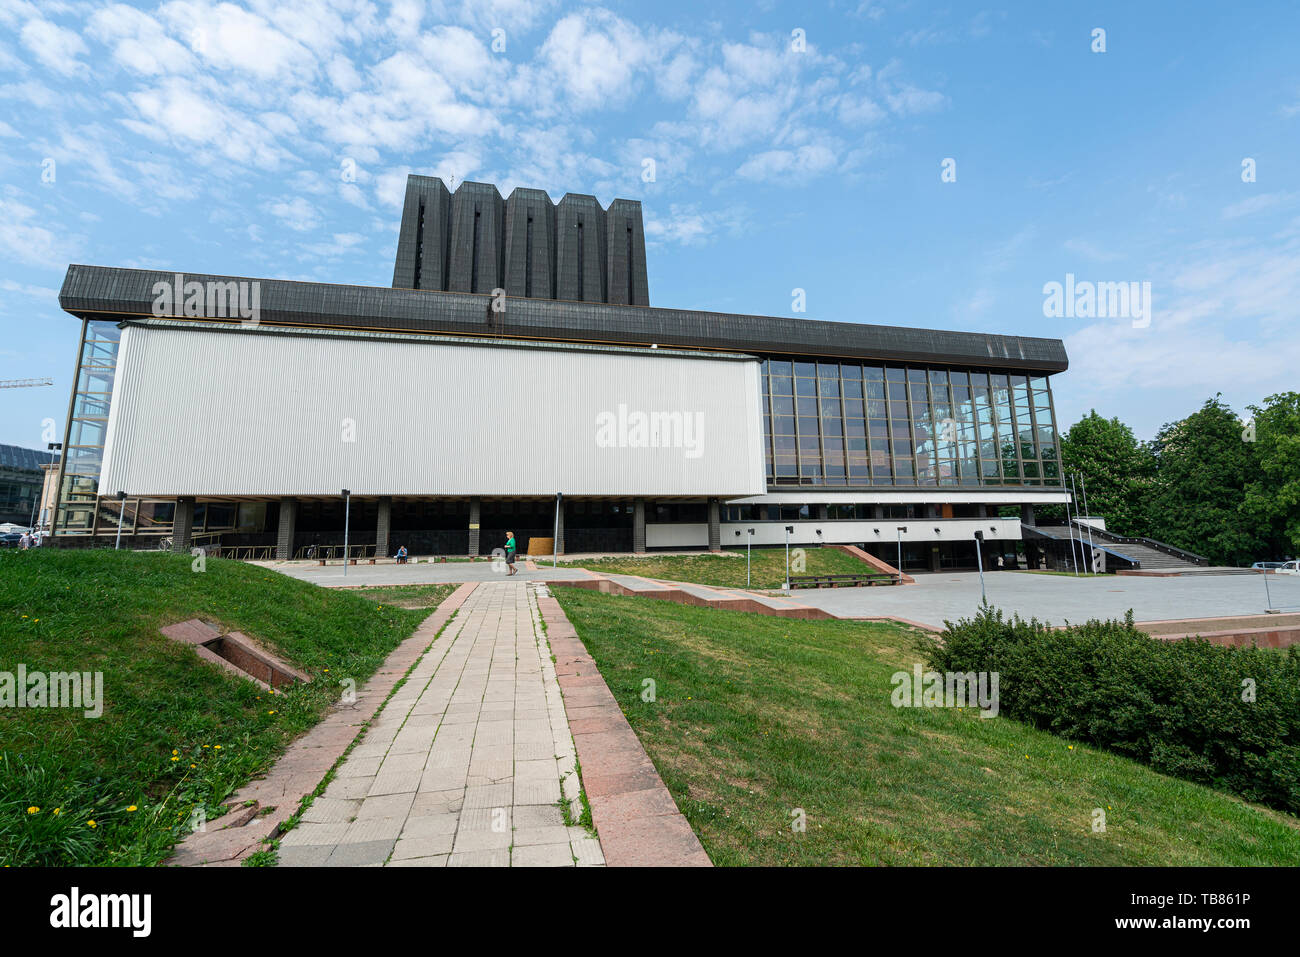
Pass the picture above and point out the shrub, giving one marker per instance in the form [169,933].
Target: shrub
[1180,706]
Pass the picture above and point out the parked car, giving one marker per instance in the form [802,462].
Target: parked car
[1288,568]
[1268,565]
[11,539]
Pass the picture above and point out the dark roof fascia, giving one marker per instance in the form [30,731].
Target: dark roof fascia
[111,292]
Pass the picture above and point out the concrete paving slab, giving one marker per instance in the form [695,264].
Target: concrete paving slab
[464,768]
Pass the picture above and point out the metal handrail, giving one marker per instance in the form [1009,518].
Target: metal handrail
[1109,551]
[1168,549]
[242,553]
[333,552]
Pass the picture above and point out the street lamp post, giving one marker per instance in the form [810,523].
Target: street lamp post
[121,509]
[347,516]
[788,530]
[45,515]
[979,560]
[749,544]
[901,530]
[555,540]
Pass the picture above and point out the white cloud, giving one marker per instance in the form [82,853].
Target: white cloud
[597,57]
[1255,204]
[1090,250]
[805,162]
[486,15]
[180,112]
[229,38]
[139,42]
[340,244]
[24,240]
[55,46]
[296,213]
[687,225]
[26,289]
[1223,319]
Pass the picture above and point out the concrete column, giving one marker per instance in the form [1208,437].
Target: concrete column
[559,531]
[934,558]
[1027,514]
[474,516]
[638,526]
[382,526]
[823,513]
[288,526]
[715,526]
[183,525]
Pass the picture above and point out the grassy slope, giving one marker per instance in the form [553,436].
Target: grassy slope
[728,569]
[100,611]
[756,716]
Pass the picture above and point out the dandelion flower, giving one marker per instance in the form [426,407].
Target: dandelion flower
[33,809]
[132,809]
[91,824]
[217,748]
[174,758]
[270,712]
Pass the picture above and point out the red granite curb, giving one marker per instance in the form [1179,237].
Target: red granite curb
[636,819]
[242,831]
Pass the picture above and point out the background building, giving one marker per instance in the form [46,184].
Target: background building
[516,357]
[20,483]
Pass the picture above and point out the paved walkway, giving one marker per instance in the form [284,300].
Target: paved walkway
[468,762]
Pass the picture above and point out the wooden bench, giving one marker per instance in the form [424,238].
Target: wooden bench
[835,581]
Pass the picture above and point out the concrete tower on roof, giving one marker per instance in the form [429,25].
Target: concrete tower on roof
[474,241]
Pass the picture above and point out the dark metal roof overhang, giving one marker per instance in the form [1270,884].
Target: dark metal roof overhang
[114,293]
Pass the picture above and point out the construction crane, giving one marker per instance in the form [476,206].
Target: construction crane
[23,383]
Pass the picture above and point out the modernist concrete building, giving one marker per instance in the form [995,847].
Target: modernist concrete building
[515,377]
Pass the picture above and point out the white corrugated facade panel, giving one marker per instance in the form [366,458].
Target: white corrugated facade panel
[259,413]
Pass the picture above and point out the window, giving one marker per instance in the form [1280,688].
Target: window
[833,423]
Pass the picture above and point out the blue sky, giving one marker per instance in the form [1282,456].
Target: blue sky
[204,136]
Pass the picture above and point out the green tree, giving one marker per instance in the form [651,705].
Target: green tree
[1273,493]
[1116,469]
[1198,501]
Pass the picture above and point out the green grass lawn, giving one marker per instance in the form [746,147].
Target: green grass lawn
[756,717]
[728,568]
[427,597]
[176,733]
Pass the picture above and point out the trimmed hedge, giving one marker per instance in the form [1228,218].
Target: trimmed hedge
[1175,705]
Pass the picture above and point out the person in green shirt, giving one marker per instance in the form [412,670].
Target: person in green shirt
[510,552]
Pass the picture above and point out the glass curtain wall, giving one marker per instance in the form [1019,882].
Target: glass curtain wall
[860,424]
[84,454]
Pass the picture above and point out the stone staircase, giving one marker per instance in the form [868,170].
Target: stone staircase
[1148,558]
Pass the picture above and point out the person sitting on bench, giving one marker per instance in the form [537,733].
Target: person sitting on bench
[401,555]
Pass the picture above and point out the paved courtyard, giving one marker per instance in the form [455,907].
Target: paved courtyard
[425,573]
[468,762]
[1057,598]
